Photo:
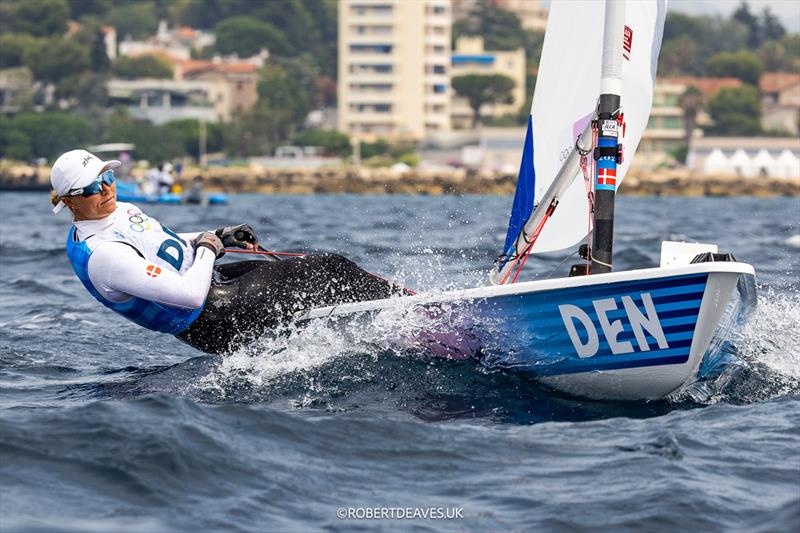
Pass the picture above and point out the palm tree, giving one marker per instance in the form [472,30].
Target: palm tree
[691,102]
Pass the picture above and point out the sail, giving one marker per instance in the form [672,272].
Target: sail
[523,197]
[565,99]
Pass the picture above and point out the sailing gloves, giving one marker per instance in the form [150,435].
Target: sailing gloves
[211,241]
[241,236]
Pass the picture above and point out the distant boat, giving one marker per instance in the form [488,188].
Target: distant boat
[131,192]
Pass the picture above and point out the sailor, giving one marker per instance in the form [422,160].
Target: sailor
[168,282]
[152,180]
[166,179]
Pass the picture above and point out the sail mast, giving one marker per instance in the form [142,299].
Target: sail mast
[607,153]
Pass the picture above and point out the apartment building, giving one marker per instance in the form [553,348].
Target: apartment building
[469,57]
[666,128]
[394,68]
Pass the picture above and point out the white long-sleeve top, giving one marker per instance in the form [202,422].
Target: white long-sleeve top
[134,255]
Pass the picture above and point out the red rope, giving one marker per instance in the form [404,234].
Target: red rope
[265,252]
[530,247]
[527,251]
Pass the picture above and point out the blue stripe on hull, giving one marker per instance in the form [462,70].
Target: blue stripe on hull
[529,331]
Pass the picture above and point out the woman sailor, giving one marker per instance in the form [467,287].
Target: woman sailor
[168,282]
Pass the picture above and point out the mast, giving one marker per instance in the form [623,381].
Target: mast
[608,153]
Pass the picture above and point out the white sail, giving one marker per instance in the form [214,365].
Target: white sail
[567,90]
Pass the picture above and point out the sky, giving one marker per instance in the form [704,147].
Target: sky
[788,11]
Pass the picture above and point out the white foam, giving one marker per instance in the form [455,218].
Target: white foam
[772,335]
[793,241]
[401,331]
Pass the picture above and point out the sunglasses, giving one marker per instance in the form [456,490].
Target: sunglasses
[94,187]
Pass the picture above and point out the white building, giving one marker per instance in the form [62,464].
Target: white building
[394,72]
[161,101]
[747,157]
[177,43]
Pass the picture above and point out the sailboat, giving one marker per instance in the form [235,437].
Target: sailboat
[631,335]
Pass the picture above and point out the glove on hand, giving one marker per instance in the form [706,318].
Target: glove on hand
[241,236]
[210,241]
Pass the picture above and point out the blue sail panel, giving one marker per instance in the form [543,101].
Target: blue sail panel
[524,196]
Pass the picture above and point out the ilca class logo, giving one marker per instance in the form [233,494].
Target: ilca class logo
[640,322]
[153,271]
[627,42]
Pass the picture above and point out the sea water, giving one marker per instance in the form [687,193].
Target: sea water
[105,426]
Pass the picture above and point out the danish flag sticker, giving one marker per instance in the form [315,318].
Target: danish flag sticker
[607,176]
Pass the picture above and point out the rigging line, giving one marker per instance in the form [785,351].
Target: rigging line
[601,263]
[523,255]
[558,266]
[538,232]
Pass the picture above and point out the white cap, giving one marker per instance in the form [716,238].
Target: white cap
[75,169]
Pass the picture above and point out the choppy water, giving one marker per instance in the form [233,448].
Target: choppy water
[105,426]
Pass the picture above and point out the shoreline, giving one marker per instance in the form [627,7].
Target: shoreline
[353,180]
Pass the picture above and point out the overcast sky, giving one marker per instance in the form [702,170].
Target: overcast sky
[788,11]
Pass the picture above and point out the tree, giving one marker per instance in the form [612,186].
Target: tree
[97,53]
[678,56]
[51,134]
[188,132]
[736,111]
[287,91]
[691,102]
[56,58]
[331,141]
[771,27]
[479,89]
[207,13]
[500,29]
[89,89]
[12,48]
[142,67]
[689,41]
[134,19]
[750,21]
[80,8]
[41,18]
[153,143]
[775,57]
[742,64]
[250,134]
[324,13]
[791,43]
[13,143]
[246,37]
[294,22]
